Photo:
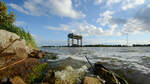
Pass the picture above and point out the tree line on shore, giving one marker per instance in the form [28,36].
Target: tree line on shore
[102,45]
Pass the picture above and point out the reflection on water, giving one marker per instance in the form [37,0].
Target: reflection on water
[131,62]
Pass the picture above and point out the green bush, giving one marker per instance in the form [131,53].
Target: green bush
[20,32]
[37,74]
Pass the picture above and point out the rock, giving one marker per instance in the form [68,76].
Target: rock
[62,82]
[44,83]
[22,69]
[17,80]
[36,54]
[14,43]
[109,76]
[11,47]
[91,80]
[66,76]
[49,77]
[5,81]
[52,56]
[52,79]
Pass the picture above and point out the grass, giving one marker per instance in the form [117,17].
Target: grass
[20,32]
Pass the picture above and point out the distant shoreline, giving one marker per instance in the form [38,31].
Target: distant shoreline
[102,46]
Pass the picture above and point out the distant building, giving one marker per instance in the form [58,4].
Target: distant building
[73,37]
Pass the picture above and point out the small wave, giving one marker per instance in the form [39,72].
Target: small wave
[128,51]
[139,67]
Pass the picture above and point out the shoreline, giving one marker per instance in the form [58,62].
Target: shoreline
[85,47]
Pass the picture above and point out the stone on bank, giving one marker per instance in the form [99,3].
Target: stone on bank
[12,48]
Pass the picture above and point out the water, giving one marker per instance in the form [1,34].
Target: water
[133,63]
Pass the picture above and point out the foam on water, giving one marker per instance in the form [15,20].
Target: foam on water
[131,56]
[139,67]
[71,75]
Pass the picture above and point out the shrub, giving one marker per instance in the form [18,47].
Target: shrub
[37,74]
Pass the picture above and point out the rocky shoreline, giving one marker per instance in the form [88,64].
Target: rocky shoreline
[20,64]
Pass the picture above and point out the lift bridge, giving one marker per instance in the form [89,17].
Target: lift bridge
[72,38]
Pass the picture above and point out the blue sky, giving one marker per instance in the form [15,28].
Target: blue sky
[99,21]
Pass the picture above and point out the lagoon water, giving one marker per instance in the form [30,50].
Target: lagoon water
[133,63]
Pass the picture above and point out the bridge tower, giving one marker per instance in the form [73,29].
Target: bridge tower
[71,40]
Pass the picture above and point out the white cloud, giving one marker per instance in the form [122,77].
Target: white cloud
[105,18]
[148,5]
[139,2]
[20,23]
[125,4]
[85,29]
[18,8]
[133,26]
[61,8]
[97,2]
[77,3]
[110,2]
[140,23]
[131,4]
[62,27]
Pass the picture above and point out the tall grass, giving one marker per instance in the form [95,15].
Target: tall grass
[20,32]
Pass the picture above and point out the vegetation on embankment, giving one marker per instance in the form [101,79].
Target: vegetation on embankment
[37,73]
[7,23]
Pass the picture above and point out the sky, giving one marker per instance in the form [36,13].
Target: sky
[98,21]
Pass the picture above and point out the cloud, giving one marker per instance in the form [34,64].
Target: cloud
[144,15]
[118,20]
[62,8]
[140,23]
[128,4]
[123,4]
[20,23]
[97,2]
[108,2]
[77,3]
[106,20]
[62,27]
[18,8]
[133,26]
[105,17]
[85,29]
[148,5]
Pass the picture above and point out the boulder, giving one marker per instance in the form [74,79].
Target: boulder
[11,47]
[66,76]
[36,54]
[17,80]
[51,78]
[52,56]
[21,69]
[91,80]
[61,82]
[109,76]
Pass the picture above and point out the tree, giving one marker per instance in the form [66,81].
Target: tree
[5,18]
